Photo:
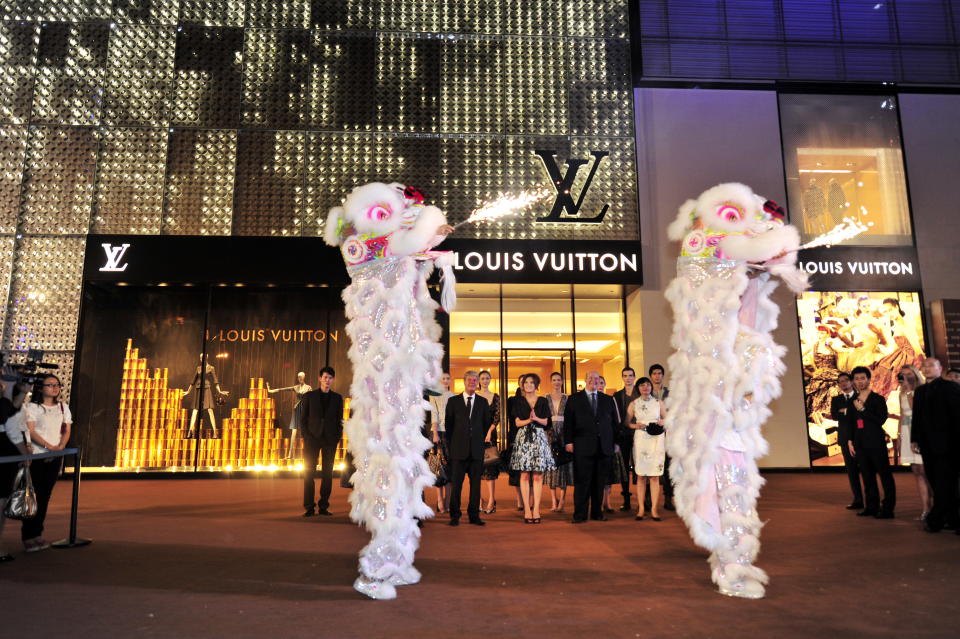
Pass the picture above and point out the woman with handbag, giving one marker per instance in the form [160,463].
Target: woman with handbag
[645,415]
[491,468]
[560,477]
[48,425]
[531,453]
[10,403]
[437,456]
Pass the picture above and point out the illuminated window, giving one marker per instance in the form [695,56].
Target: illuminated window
[843,158]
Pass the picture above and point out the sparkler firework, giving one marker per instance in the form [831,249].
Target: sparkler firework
[847,229]
[503,206]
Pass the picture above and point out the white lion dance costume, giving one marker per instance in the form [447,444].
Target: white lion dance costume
[725,370]
[385,233]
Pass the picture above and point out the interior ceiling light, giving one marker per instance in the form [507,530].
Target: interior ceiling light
[583,346]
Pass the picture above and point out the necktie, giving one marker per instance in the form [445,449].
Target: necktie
[593,402]
[470,406]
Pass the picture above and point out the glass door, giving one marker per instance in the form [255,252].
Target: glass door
[543,362]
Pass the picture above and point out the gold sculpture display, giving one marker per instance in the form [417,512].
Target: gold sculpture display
[152,429]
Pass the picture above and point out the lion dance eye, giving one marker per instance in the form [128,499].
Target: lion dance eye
[378,212]
[730,213]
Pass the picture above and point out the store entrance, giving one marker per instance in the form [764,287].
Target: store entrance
[508,330]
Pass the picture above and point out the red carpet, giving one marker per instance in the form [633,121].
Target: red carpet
[233,558]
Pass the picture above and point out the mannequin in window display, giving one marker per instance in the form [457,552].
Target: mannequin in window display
[210,383]
[815,219]
[726,370]
[299,389]
[836,202]
[385,234]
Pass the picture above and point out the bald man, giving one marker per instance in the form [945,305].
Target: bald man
[935,434]
[591,426]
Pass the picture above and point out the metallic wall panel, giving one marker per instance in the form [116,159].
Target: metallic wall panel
[44,302]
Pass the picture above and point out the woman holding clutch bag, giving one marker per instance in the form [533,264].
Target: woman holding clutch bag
[491,472]
[531,453]
[645,415]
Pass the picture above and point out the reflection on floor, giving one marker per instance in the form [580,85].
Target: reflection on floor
[234,558]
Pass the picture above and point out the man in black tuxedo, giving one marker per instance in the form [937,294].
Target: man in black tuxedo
[841,411]
[322,420]
[935,434]
[467,420]
[590,427]
[623,398]
[869,446]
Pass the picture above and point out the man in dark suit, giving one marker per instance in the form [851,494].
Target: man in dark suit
[841,411]
[590,427]
[467,420]
[623,398]
[322,420]
[935,434]
[869,446]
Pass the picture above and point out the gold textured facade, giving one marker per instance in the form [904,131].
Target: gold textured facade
[153,428]
[254,117]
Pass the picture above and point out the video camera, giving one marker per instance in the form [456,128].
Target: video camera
[29,372]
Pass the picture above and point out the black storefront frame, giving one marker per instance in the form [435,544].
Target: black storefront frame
[298,263]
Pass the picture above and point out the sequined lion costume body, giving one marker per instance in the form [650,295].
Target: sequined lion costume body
[725,370]
[385,234]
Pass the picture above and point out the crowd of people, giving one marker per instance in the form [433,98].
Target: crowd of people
[928,440]
[590,441]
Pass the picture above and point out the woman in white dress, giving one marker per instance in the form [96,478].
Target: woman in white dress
[649,448]
[909,379]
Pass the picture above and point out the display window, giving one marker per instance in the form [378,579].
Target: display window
[839,331]
[843,159]
[186,378]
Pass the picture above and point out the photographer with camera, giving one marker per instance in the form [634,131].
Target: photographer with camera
[12,395]
[48,427]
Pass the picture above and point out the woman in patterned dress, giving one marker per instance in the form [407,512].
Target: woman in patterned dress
[531,452]
[562,476]
[439,408]
[490,471]
[618,468]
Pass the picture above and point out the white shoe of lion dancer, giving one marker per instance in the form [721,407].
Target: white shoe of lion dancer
[407,576]
[374,588]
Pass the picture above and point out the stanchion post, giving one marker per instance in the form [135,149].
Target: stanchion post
[72,541]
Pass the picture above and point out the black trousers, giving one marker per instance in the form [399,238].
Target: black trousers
[590,473]
[312,451]
[853,471]
[626,449]
[873,462]
[472,467]
[943,472]
[44,473]
[665,479]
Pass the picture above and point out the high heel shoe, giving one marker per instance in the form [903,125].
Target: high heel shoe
[491,510]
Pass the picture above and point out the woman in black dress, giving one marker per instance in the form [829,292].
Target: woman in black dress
[531,451]
[491,472]
[514,475]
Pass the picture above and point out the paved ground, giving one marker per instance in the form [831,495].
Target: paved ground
[233,558]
